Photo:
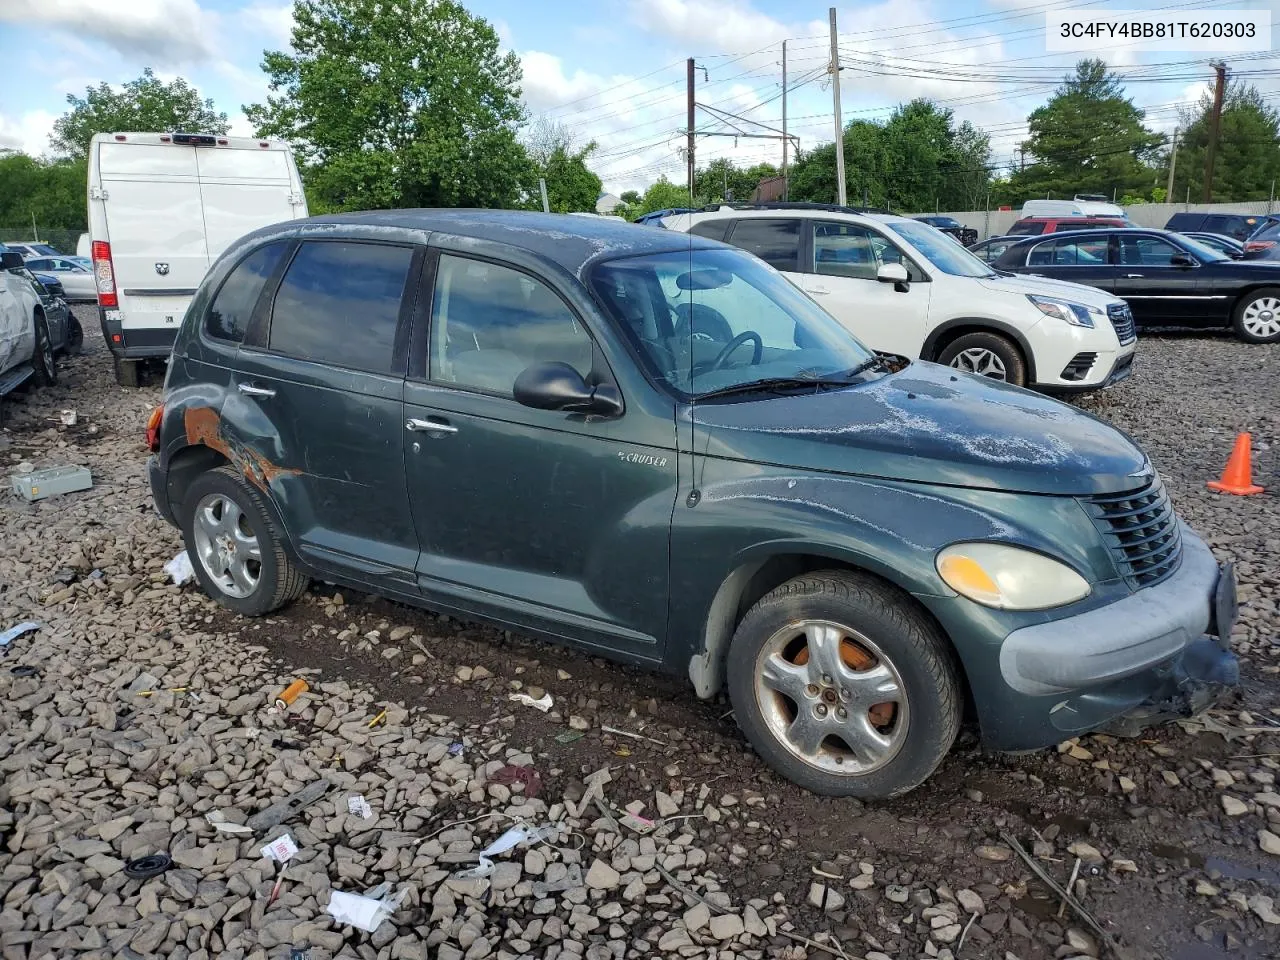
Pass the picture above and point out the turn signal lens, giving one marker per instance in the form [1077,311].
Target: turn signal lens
[153,428]
[1009,578]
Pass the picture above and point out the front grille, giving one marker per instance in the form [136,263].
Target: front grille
[1079,366]
[1141,530]
[1121,318]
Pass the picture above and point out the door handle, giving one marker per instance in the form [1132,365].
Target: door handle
[1133,276]
[429,426]
[819,291]
[250,390]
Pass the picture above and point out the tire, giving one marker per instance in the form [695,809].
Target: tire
[221,506]
[75,336]
[1257,316]
[43,359]
[126,372]
[996,352]
[896,652]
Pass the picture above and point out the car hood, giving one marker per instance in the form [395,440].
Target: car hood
[929,424]
[1023,284]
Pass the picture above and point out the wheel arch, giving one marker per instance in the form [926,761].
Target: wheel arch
[756,576]
[185,465]
[943,334]
[1248,292]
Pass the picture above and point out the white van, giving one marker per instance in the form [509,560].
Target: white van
[162,207]
[1078,207]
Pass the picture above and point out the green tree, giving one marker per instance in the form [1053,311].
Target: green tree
[49,192]
[145,104]
[1088,138]
[663,195]
[553,152]
[630,197]
[398,103]
[711,182]
[1247,162]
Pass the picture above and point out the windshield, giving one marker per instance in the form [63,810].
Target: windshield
[940,250]
[706,320]
[1202,250]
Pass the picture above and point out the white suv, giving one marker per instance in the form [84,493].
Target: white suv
[905,287]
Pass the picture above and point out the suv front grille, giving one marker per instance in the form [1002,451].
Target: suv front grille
[1141,530]
[1121,318]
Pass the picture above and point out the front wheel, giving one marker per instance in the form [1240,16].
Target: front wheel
[236,552]
[1257,316]
[43,360]
[75,335]
[988,355]
[844,687]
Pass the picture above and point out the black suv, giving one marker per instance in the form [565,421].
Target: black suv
[653,446]
[1242,226]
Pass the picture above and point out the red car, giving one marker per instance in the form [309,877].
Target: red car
[1034,226]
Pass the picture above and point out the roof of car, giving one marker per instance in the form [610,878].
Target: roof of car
[571,242]
[1070,234]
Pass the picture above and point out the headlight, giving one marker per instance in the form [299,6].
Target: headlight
[1076,314]
[1009,578]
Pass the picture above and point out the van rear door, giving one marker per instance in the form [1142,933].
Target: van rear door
[242,190]
[155,225]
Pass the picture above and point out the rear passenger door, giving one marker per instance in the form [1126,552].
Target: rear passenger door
[776,241]
[318,384]
[1075,259]
[541,519]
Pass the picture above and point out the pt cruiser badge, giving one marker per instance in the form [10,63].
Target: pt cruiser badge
[647,459]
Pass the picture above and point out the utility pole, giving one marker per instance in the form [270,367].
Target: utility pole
[689,144]
[1215,125]
[1173,165]
[835,95]
[542,185]
[785,191]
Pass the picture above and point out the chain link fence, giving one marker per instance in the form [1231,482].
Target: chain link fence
[63,241]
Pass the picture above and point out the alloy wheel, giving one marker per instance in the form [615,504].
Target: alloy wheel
[226,546]
[979,360]
[1262,317]
[832,697]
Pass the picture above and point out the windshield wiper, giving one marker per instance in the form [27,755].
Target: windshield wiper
[869,364]
[776,383]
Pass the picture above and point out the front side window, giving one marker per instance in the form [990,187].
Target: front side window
[339,303]
[1147,251]
[229,314]
[940,250]
[705,320]
[713,229]
[776,242]
[490,322]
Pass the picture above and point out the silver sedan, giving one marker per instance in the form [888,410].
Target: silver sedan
[77,279]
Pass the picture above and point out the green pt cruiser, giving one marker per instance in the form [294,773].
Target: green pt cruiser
[654,447]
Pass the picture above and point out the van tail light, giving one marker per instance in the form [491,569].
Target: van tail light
[1258,246]
[153,428]
[104,274]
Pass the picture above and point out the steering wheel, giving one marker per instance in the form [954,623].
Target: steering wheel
[734,344]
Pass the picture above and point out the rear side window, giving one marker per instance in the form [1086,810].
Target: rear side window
[712,229]
[1026,228]
[339,303]
[1073,252]
[229,314]
[776,242]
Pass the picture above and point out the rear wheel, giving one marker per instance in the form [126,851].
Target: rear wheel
[843,686]
[1257,316]
[988,355]
[75,335]
[236,552]
[126,372]
[43,360]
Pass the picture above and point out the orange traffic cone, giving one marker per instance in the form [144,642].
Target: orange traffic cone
[1238,476]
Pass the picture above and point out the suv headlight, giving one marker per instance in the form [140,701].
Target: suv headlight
[1076,314]
[1009,578]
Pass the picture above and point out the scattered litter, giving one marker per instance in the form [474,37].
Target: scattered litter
[291,693]
[220,823]
[179,568]
[543,704]
[1062,894]
[281,849]
[67,418]
[281,744]
[13,633]
[148,693]
[622,752]
[25,671]
[514,837]
[143,681]
[299,953]
[380,891]
[528,776]
[359,806]
[569,736]
[144,868]
[363,913]
[66,576]
[275,887]
[455,749]
[38,484]
[281,811]
[381,717]
[634,736]
[633,821]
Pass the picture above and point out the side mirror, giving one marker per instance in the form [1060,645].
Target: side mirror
[1182,260]
[558,386]
[11,260]
[896,274]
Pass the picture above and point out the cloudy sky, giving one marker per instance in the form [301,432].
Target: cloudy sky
[614,70]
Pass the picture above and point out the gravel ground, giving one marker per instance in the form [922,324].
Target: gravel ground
[1166,836]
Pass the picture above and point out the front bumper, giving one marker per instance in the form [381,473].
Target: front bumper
[1123,666]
